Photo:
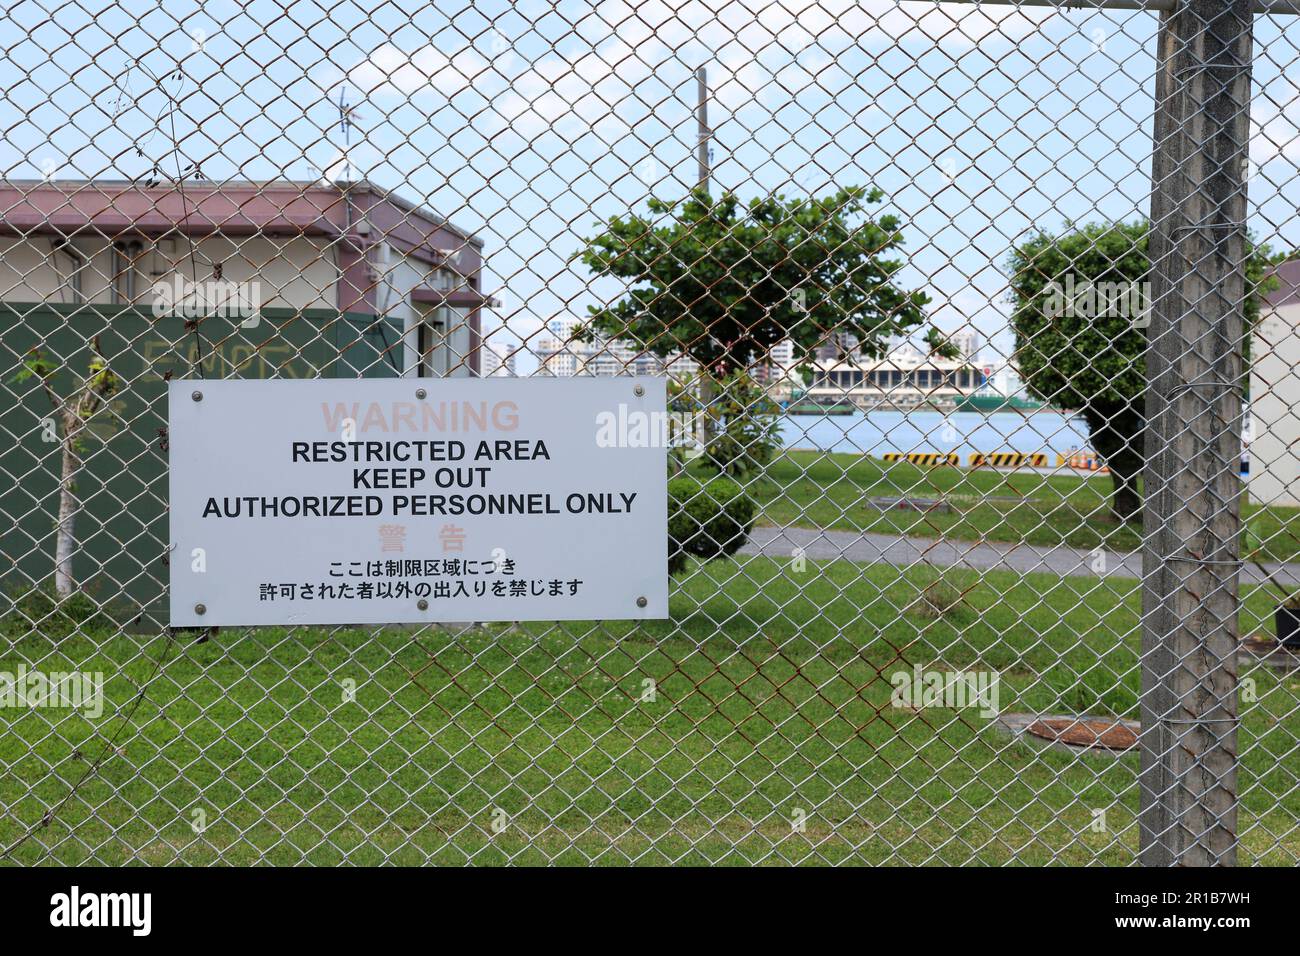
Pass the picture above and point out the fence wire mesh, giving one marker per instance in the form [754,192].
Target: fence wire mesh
[980,324]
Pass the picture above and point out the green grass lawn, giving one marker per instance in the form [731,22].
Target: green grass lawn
[771,696]
[824,490]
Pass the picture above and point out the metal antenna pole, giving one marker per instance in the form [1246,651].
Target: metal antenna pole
[702,122]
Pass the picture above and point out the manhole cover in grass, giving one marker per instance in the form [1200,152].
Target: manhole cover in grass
[1266,650]
[1084,732]
[1263,645]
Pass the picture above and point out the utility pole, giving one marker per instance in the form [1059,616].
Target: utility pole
[702,124]
[1190,561]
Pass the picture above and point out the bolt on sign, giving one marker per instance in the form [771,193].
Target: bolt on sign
[399,501]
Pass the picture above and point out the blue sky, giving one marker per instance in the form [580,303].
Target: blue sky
[531,122]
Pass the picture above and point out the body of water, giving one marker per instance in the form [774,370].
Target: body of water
[876,432]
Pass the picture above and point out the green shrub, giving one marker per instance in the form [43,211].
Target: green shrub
[706,519]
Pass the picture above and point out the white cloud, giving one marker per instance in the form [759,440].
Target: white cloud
[1276,139]
[737,80]
[634,58]
[390,71]
[793,25]
[1275,123]
[953,27]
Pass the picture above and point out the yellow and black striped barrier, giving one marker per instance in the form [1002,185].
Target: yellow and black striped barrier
[1008,459]
[997,459]
[929,458]
[1082,461]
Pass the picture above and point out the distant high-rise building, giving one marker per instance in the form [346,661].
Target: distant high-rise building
[497,360]
[560,354]
[967,341]
[776,366]
[838,345]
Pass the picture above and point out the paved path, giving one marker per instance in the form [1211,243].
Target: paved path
[869,548]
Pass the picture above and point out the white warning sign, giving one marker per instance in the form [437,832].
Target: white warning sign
[372,501]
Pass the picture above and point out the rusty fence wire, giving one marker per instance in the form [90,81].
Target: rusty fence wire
[980,327]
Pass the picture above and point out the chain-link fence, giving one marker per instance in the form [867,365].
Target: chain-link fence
[979,324]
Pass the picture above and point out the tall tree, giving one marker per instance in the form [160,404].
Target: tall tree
[1080,309]
[723,282]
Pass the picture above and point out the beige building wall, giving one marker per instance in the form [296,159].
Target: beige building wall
[292,272]
[1275,407]
[436,340]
